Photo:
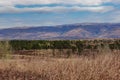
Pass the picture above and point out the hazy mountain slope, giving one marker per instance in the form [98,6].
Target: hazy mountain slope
[115,33]
[70,31]
[78,32]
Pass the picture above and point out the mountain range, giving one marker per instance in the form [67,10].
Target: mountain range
[63,32]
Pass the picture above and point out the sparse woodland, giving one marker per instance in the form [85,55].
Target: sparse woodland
[67,47]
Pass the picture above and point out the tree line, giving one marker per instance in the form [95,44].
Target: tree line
[63,44]
[72,46]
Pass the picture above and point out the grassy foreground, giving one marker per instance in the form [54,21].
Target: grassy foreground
[102,67]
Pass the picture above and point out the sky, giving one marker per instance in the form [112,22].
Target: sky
[27,13]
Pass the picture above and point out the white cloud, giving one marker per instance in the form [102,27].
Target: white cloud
[12,9]
[8,6]
[33,2]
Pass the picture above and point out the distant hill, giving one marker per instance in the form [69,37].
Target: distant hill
[70,31]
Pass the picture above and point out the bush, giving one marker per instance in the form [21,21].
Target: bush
[5,49]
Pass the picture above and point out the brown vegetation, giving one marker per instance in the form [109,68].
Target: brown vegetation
[102,67]
[59,64]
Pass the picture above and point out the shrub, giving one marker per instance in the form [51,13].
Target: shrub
[5,49]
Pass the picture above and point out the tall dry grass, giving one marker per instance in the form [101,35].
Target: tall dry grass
[102,67]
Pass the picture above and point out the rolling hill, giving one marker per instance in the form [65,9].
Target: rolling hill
[70,31]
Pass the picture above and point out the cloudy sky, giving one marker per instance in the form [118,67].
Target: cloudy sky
[17,13]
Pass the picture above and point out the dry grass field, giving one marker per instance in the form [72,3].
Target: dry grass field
[100,64]
[101,67]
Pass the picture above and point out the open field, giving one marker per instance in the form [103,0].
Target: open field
[102,67]
[90,60]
